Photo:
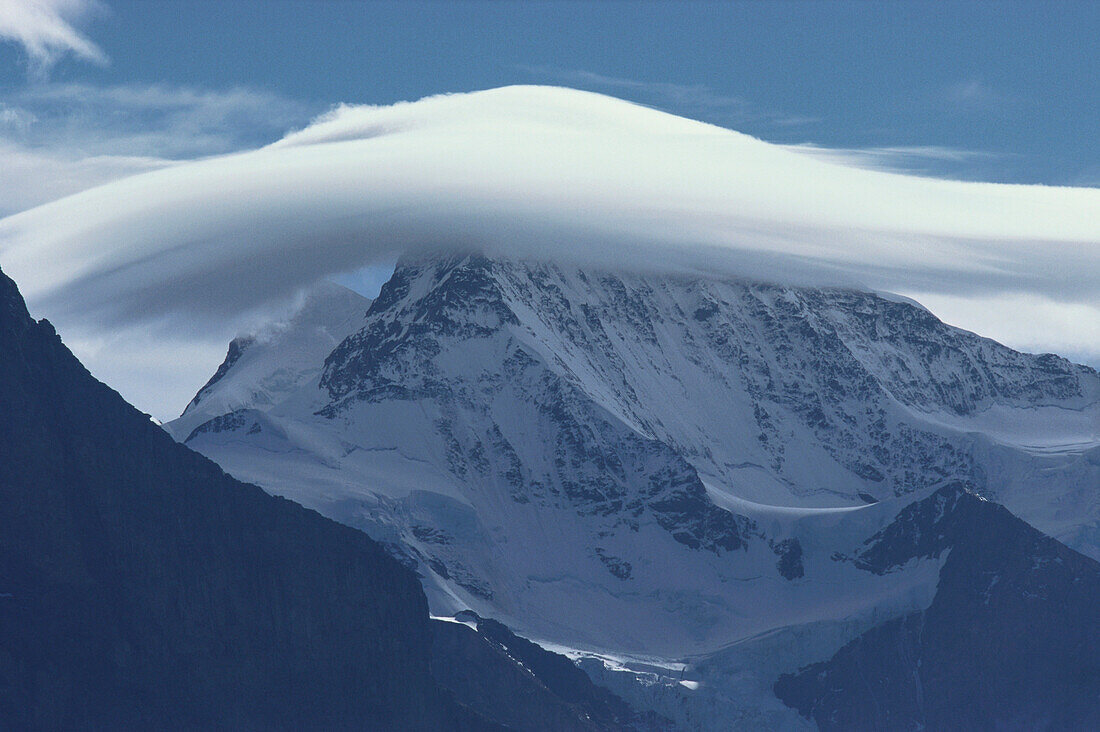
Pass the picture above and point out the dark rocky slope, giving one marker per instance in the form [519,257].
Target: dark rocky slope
[140,586]
[1010,641]
[524,686]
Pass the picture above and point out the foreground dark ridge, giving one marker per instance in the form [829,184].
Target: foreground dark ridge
[142,587]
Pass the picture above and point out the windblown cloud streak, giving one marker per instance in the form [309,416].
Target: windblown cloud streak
[535,172]
[914,160]
[47,30]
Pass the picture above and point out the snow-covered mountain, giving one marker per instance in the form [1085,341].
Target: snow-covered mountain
[660,467]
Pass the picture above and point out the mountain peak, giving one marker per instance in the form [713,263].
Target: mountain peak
[262,367]
[13,309]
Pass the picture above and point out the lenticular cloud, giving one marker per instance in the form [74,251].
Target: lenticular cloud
[536,172]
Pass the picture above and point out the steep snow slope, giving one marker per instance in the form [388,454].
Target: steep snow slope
[658,465]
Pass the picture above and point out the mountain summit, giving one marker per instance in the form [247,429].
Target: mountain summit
[263,367]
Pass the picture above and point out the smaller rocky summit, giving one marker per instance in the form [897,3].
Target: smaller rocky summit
[1010,641]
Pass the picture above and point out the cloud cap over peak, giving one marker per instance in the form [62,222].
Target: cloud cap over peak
[536,172]
[533,171]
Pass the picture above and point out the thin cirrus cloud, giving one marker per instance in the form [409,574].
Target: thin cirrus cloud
[47,30]
[694,100]
[537,172]
[57,139]
[926,160]
[161,120]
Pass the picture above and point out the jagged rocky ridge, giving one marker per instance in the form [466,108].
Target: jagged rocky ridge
[142,587]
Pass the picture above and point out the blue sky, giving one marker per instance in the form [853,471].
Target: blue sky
[993,91]
[96,90]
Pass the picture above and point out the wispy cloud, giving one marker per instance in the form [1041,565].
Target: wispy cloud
[30,177]
[694,100]
[57,139]
[47,31]
[975,95]
[150,119]
[927,160]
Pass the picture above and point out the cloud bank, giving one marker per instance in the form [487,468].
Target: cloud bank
[47,30]
[537,172]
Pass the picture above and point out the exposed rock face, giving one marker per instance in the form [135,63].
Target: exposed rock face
[599,466]
[1010,641]
[790,558]
[811,369]
[141,587]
